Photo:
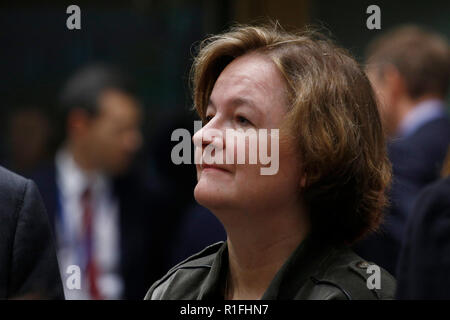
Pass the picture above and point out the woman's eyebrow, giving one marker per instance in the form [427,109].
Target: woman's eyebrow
[237,102]
[240,101]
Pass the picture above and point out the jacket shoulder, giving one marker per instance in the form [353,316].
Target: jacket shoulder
[12,191]
[355,278]
[10,181]
[184,274]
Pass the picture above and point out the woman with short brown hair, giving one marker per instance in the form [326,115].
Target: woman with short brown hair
[287,233]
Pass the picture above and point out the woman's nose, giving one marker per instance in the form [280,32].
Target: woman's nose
[197,139]
[210,133]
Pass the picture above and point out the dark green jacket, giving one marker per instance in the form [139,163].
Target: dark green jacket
[313,271]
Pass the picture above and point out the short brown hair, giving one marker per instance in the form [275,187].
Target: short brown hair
[422,58]
[332,116]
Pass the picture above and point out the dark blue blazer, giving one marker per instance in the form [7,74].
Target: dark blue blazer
[143,228]
[416,162]
[424,265]
[28,264]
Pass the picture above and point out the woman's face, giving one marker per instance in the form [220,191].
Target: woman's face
[248,94]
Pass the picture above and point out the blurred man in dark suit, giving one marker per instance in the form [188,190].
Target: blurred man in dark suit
[28,264]
[410,70]
[424,262]
[105,218]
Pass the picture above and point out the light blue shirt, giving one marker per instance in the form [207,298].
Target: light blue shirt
[421,114]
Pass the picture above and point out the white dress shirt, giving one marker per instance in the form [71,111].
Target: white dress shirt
[72,182]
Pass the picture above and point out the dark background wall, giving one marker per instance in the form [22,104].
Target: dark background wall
[347,19]
[154,41]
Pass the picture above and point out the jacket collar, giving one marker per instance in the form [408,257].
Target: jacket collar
[306,260]
[214,284]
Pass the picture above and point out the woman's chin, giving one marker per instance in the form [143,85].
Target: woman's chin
[210,197]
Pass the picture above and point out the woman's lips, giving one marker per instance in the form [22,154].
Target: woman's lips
[213,167]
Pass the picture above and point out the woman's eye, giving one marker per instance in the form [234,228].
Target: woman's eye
[243,121]
[208,118]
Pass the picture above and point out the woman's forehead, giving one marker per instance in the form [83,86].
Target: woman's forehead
[246,79]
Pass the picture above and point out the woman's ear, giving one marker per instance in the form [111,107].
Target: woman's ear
[395,84]
[78,122]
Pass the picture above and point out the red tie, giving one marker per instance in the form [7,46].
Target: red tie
[91,267]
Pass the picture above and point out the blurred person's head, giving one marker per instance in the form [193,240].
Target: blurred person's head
[28,137]
[406,66]
[332,158]
[102,119]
